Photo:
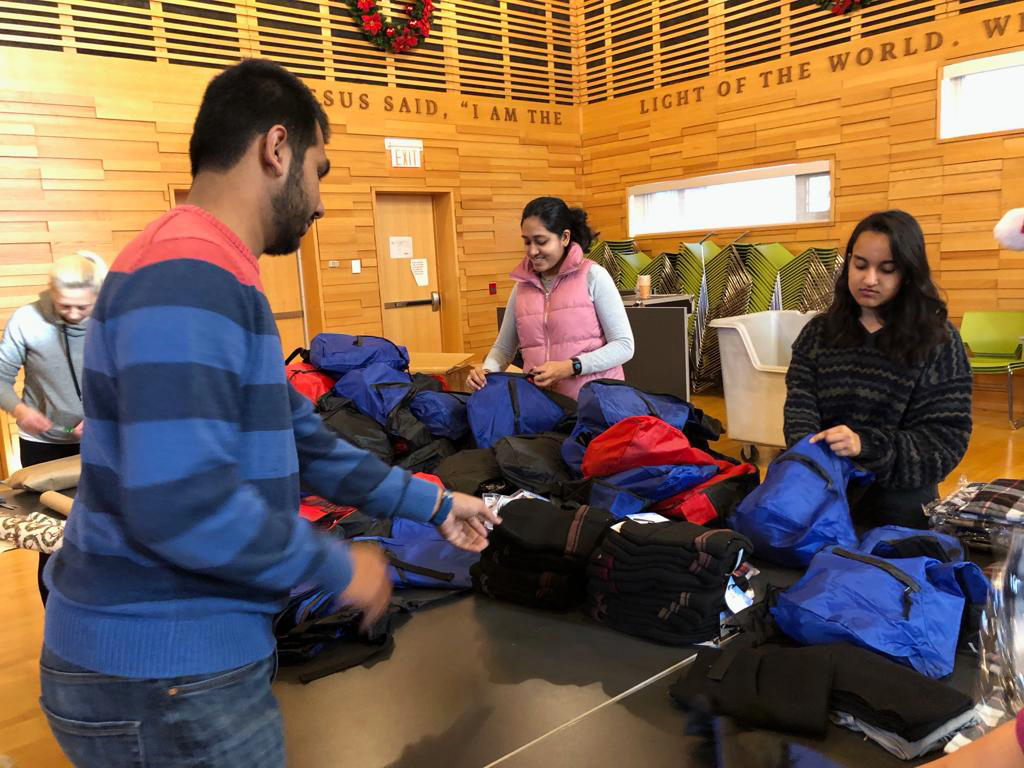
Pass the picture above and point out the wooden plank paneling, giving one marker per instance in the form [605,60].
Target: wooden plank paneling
[876,122]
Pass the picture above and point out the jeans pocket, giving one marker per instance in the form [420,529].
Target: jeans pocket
[193,685]
[115,744]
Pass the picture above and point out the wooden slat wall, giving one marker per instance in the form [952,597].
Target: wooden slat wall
[494,48]
[626,47]
[90,146]
[876,122]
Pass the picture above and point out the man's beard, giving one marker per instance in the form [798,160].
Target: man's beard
[291,214]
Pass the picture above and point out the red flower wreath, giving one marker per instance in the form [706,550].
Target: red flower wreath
[387,35]
[843,7]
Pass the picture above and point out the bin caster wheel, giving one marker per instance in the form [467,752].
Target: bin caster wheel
[750,454]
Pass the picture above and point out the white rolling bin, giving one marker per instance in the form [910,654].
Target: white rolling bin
[756,350]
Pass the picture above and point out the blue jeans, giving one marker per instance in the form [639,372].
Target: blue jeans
[225,720]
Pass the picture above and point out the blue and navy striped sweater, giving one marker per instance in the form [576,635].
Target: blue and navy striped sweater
[184,539]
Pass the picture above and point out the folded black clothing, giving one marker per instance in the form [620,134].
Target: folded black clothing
[547,590]
[891,696]
[512,556]
[604,566]
[780,687]
[656,630]
[783,689]
[543,526]
[680,619]
[721,543]
[629,553]
[703,602]
[685,623]
[527,579]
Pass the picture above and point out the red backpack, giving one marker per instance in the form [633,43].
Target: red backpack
[641,441]
[307,379]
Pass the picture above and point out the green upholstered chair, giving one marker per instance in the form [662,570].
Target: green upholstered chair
[994,346]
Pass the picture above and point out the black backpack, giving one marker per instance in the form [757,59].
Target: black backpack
[534,462]
[474,471]
[342,418]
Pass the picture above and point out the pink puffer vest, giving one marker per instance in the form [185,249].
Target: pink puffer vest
[561,324]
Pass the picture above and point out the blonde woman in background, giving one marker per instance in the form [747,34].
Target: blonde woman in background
[47,338]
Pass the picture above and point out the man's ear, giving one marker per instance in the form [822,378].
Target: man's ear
[275,150]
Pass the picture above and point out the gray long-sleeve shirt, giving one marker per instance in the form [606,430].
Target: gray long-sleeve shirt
[34,340]
[611,314]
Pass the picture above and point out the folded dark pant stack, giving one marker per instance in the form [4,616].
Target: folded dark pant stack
[539,553]
[795,690]
[663,581]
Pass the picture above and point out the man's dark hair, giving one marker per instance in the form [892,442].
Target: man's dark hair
[245,100]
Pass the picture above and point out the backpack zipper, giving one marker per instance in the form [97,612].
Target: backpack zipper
[420,570]
[910,585]
[811,464]
[514,397]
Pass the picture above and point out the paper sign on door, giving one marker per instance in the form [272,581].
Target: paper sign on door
[400,247]
[419,271]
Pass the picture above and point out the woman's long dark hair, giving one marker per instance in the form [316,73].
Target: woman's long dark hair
[914,320]
[558,217]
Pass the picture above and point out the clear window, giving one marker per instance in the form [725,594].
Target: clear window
[982,96]
[783,194]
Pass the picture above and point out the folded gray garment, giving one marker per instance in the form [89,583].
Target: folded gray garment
[56,475]
[903,749]
[36,531]
[56,501]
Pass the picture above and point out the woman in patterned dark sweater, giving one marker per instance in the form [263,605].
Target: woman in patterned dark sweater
[882,376]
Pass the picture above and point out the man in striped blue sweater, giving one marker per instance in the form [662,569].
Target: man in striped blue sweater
[184,539]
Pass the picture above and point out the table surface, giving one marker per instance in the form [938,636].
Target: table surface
[437,362]
[477,682]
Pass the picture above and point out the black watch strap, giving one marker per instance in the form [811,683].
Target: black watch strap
[577,366]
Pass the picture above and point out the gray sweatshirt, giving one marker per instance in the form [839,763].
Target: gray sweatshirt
[34,340]
[611,313]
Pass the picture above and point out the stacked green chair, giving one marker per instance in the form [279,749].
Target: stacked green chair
[663,274]
[994,346]
[630,260]
[600,253]
[823,267]
[765,264]
[721,287]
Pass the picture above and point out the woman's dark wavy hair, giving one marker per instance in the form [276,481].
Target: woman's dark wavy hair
[914,320]
[558,217]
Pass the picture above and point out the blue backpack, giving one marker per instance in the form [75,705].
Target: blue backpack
[511,404]
[444,413]
[801,506]
[660,483]
[420,556]
[896,541]
[340,353]
[375,390]
[602,403]
[908,609]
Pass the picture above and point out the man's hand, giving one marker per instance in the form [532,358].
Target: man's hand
[477,379]
[370,588]
[30,420]
[551,372]
[78,430]
[464,527]
[842,440]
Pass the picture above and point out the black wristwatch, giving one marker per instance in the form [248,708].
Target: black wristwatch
[577,366]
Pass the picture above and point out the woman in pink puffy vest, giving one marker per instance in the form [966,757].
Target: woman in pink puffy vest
[564,313]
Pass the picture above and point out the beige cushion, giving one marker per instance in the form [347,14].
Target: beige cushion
[56,475]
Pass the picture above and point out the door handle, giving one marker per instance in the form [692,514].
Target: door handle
[434,302]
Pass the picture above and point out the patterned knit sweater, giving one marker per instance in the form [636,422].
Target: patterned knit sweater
[914,421]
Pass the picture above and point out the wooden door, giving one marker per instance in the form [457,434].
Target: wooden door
[282,285]
[405,236]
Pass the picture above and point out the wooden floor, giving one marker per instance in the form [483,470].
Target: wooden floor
[25,741]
